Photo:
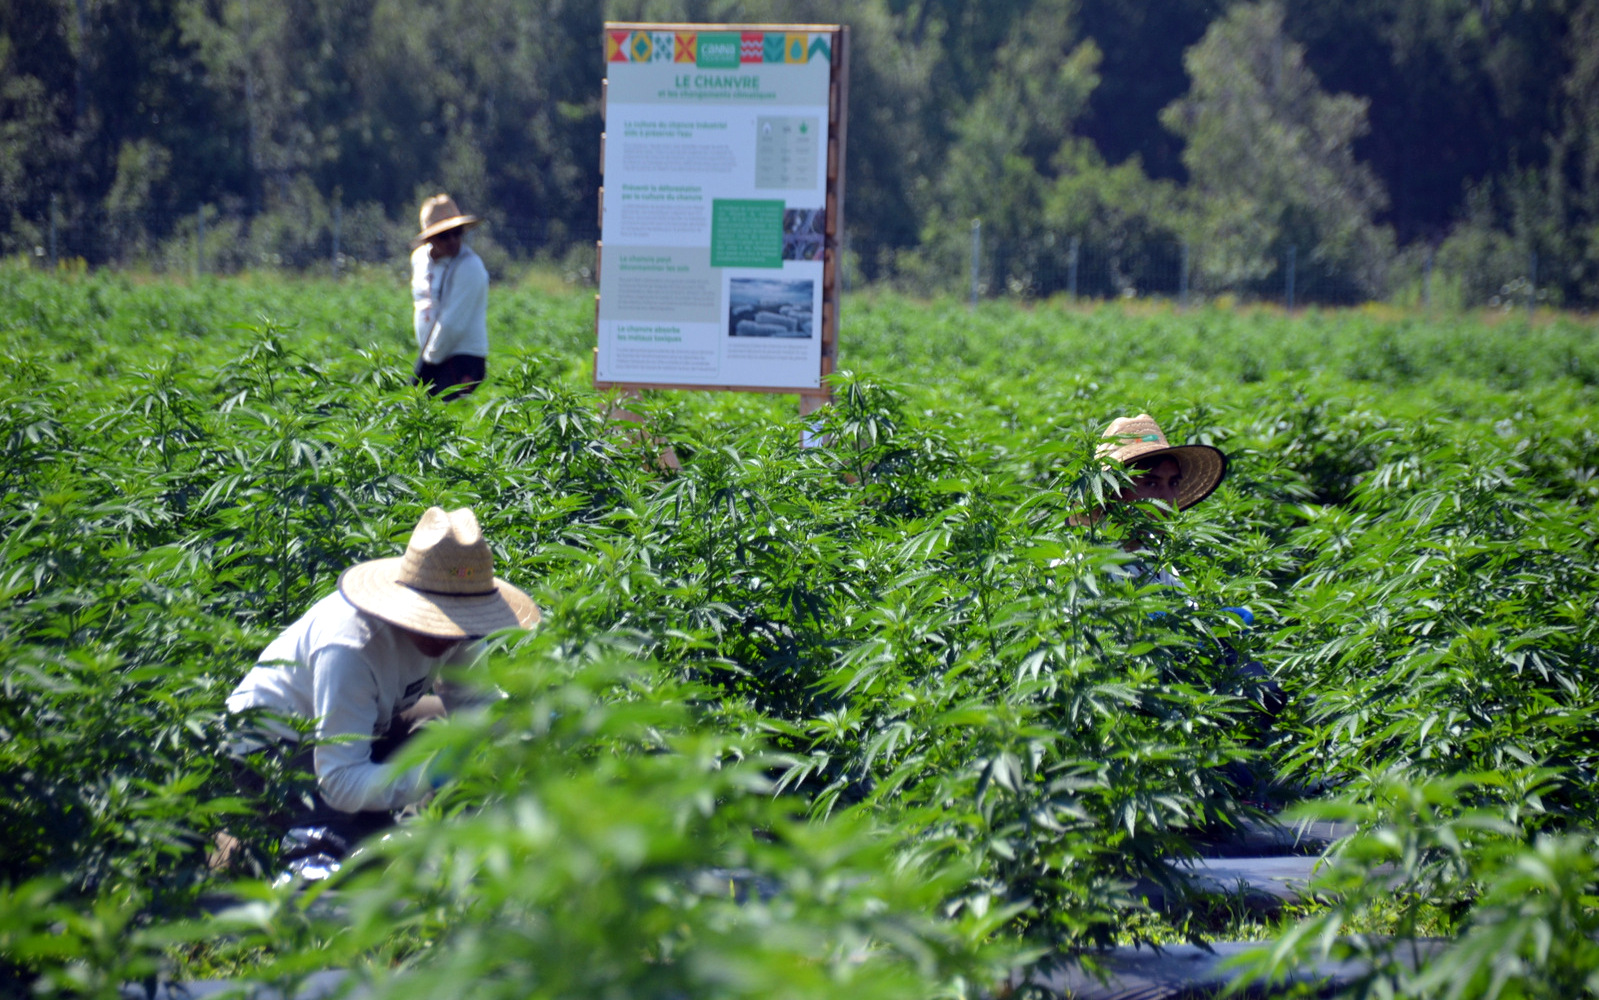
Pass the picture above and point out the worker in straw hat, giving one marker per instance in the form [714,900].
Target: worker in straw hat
[1176,475]
[358,668]
[450,295]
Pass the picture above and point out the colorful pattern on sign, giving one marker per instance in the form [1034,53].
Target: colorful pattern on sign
[639,47]
[683,47]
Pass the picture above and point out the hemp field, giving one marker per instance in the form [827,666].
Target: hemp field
[873,717]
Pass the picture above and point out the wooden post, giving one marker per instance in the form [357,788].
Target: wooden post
[615,411]
[811,402]
[838,140]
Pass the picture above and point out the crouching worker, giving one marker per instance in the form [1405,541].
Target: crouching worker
[358,668]
[1178,476]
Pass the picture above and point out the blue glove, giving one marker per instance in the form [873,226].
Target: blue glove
[1244,615]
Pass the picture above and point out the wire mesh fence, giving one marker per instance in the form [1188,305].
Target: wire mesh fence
[334,240]
[1172,271]
[1191,273]
[331,239]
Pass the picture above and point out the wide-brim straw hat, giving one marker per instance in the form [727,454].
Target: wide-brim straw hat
[443,586]
[1129,439]
[440,214]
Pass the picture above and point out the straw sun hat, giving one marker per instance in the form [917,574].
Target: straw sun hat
[440,214]
[1130,439]
[443,586]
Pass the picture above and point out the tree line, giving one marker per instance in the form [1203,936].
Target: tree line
[1368,137]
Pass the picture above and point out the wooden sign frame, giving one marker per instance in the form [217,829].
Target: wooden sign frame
[837,136]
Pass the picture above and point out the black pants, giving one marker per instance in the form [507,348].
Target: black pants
[456,375]
[313,812]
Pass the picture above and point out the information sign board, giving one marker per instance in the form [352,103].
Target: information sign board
[721,206]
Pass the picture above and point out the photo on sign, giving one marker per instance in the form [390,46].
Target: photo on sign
[804,230]
[766,307]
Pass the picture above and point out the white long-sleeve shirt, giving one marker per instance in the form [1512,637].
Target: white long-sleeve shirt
[353,674]
[451,300]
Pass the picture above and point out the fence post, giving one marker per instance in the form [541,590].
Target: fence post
[1426,282]
[1182,280]
[1071,267]
[1288,290]
[977,251]
[1532,282]
[199,241]
[338,223]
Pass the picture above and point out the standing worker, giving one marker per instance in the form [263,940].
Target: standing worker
[450,289]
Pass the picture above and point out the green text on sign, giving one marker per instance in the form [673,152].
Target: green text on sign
[746,233]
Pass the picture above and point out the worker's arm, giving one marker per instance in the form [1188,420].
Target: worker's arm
[345,697]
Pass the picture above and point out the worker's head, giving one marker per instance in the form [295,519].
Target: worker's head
[1159,478]
[1178,476]
[430,645]
[443,226]
[446,244]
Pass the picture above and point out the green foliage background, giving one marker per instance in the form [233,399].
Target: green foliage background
[1370,136]
[878,716]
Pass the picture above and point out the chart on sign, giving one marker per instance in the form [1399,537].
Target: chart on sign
[714,215]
